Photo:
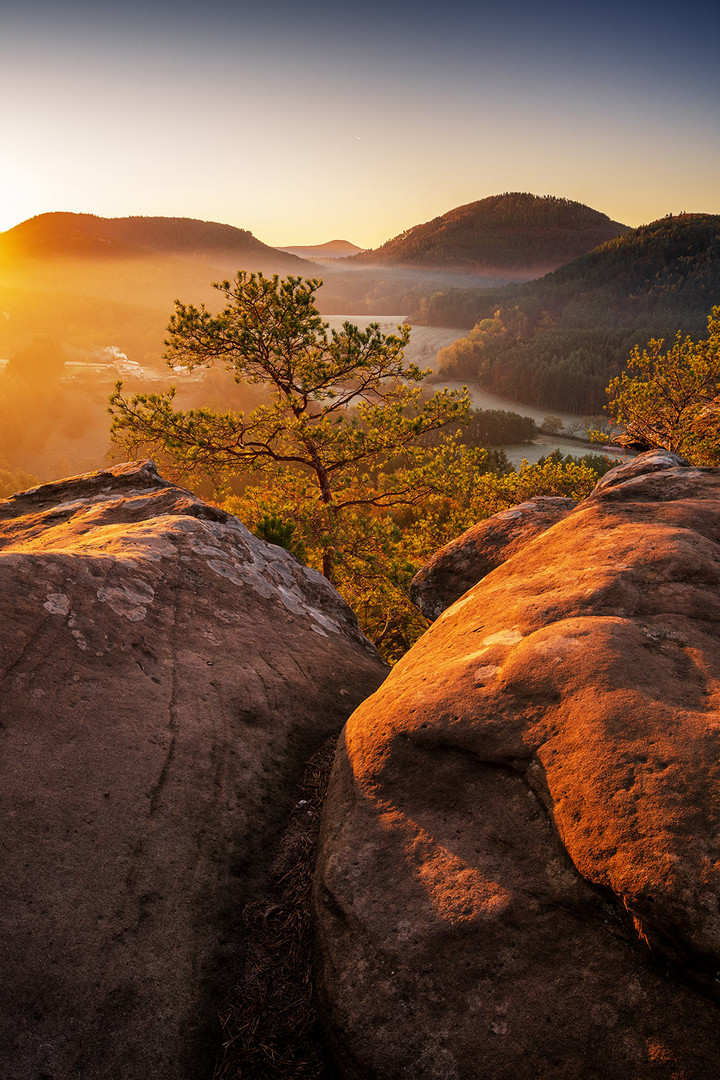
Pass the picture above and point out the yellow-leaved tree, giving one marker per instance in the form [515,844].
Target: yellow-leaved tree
[347,462]
[670,397]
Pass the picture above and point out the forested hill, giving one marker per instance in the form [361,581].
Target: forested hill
[85,235]
[516,234]
[557,342]
[91,282]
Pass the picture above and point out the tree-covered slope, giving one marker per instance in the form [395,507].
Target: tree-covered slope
[94,282]
[556,342]
[73,235]
[516,233]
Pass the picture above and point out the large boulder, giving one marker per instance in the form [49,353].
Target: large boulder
[459,565]
[519,869]
[165,677]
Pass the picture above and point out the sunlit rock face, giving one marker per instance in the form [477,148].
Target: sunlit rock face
[519,871]
[165,675]
[459,565]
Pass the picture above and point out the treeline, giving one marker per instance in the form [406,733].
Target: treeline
[554,369]
[498,427]
[490,430]
[558,341]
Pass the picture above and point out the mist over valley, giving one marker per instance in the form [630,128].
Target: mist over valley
[99,293]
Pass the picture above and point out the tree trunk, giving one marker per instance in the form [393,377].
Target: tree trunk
[327,498]
[327,564]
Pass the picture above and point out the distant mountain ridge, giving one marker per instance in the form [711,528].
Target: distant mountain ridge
[333,249]
[87,235]
[515,233]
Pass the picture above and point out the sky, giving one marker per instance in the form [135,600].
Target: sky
[308,122]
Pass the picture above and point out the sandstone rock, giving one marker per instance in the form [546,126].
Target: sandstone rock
[459,565]
[165,675]
[519,870]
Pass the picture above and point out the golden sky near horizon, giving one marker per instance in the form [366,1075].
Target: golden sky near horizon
[306,125]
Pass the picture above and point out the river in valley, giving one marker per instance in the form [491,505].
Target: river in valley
[426,342]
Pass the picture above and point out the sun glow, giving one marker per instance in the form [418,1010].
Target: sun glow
[22,196]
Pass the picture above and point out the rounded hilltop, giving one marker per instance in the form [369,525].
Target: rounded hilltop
[515,232]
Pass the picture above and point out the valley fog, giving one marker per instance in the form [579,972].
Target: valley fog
[54,422]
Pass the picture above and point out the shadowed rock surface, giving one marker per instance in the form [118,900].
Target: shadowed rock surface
[459,565]
[519,866]
[165,677]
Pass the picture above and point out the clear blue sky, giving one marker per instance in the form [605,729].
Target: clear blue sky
[310,122]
